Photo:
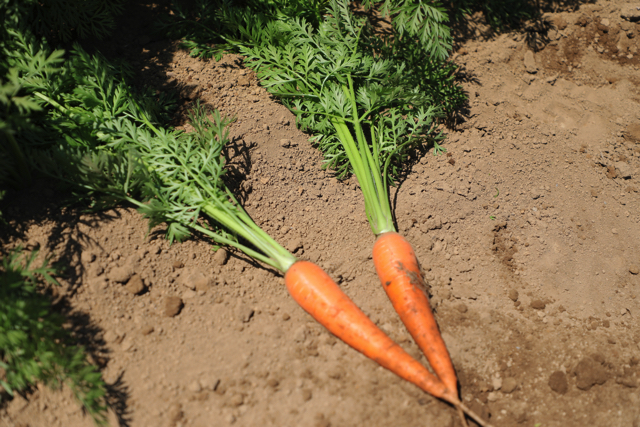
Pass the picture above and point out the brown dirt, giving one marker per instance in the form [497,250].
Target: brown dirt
[528,241]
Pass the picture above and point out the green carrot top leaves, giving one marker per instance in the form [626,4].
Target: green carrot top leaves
[364,112]
[422,19]
[95,135]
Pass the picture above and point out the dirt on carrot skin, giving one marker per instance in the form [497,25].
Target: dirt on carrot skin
[526,233]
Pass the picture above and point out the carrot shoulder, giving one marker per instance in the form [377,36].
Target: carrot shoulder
[323,299]
[399,272]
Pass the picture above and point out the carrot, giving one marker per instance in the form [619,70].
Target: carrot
[323,299]
[399,272]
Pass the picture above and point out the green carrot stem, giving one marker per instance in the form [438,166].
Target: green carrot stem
[21,174]
[366,167]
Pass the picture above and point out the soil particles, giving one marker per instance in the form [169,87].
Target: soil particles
[526,230]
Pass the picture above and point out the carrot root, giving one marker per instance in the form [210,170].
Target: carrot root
[323,299]
[463,419]
[399,272]
[475,417]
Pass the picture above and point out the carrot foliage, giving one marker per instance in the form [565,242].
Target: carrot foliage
[368,97]
[79,122]
[365,110]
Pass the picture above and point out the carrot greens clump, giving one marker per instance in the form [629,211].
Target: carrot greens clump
[364,111]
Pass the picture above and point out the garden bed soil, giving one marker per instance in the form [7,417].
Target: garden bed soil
[526,229]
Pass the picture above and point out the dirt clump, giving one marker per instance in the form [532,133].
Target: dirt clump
[589,372]
[172,306]
[558,382]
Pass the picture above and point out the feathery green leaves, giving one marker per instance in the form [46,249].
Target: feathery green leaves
[365,110]
[63,20]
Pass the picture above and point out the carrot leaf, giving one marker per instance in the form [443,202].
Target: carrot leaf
[364,110]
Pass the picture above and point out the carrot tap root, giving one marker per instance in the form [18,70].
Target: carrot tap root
[399,272]
[462,417]
[475,417]
[323,299]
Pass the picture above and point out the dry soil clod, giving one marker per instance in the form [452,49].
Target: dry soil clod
[172,306]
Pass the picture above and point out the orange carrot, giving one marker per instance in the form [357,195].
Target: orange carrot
[399,272]
[323,299]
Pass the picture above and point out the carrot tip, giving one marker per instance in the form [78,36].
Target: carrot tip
[475,417]
[462,417]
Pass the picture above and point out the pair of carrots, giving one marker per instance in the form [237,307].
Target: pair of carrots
[399,272]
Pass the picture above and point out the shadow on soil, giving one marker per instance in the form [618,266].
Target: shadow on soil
[39,205]
[485,20]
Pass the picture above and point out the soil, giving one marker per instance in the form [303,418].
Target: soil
[527,232]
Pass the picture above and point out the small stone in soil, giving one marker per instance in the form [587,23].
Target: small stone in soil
[135,285]
[623,169]
[146,330]
[558,382]
[121,274]
[236,400]
[285,317]
[509,384]
[306,395]
[87,257]
[127,344]
[286,143]
[196,280]
[630,382]
[589,373]
[175,413]
[209,383]
[513,295]
[462,307]
[294,244]
[244,313]
[177,264]
[221,256]
[634,269]
[538,304]
[95,270]
[172,306]
[201,283]
[530,62]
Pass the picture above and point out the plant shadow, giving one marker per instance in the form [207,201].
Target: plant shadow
[59,234]
[485,20]
[89,335]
